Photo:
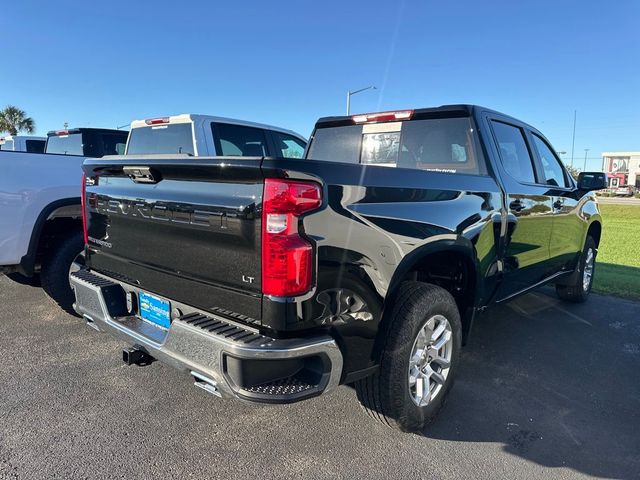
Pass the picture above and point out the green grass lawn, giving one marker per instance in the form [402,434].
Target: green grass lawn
[618,266]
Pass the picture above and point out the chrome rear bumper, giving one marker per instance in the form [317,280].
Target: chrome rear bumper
[222,356]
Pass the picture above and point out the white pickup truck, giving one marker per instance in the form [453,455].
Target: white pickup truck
[23,143]
[205,135]
[40,214]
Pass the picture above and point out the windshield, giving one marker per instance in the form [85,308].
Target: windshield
[172,138]
[65,144]
[443,144]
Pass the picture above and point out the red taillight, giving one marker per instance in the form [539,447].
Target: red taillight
[287,257]
[83,204]
[157,121]
[62,133]
[383,116]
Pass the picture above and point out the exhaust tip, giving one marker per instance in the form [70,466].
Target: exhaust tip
[206,384]
[90,322]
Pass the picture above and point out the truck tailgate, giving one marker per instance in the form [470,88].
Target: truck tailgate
[186,228]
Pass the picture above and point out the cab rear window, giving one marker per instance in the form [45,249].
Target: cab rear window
[158,139]
[65,144]
[444,144]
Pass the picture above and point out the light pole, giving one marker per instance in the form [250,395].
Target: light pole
[573,141]
[349,93]
[584,169]
[560,154]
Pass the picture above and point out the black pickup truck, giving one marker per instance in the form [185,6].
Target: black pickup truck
[365,262]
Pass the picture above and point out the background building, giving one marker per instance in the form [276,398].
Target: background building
[623,168]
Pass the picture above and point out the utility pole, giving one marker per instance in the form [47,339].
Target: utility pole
[573,142]
[584,169]
[349,93]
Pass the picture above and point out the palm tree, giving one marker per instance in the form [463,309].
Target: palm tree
[14,120]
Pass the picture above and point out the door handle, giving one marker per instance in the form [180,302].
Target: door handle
[516,205]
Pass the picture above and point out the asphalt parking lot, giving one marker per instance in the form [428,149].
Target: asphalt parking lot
[546,390]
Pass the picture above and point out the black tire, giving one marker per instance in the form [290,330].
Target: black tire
[54,274]
[576,291]
[386,395]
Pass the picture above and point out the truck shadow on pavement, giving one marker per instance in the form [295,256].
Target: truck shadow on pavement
[22,280]
[557,383]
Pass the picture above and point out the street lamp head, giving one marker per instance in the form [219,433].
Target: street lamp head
[349,93]
[370,87]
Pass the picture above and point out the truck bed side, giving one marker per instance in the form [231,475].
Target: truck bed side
[29,183]
[377,225]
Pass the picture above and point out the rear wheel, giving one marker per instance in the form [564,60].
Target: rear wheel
[66,257]
[419,359]
[578,291]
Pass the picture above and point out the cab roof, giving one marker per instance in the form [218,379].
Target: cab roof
[71,131]
[454,110]
[199,119]
[23,137]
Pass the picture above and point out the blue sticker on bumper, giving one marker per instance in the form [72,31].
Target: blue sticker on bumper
[154,310]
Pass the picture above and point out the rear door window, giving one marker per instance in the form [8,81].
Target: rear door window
[288,146]
[113,144]
[440,144]
[158,139]
[514,153]
[238,140]
[552,169]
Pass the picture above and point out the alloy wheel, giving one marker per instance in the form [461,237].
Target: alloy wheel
[587,275]
[430,360]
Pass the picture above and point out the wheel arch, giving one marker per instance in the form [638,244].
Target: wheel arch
[416,266]
[595,231]
[460,246]
[59,209]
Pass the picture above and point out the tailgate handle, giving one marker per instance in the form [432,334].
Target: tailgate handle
[142,174]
